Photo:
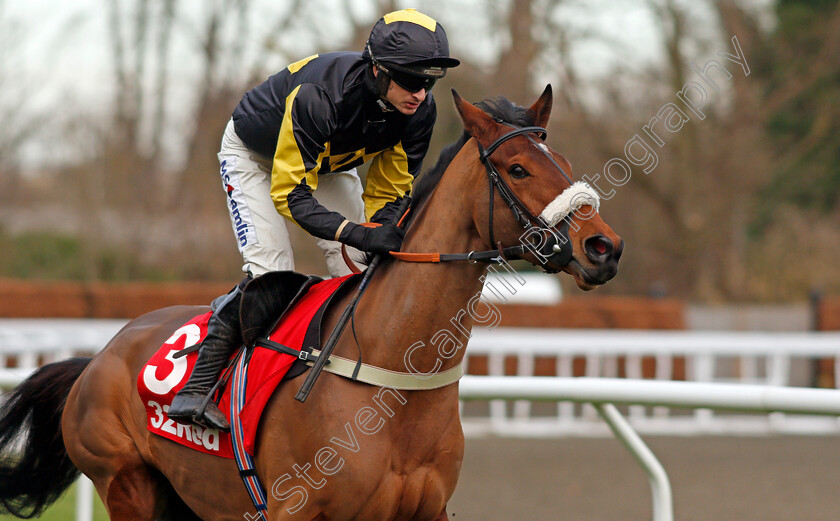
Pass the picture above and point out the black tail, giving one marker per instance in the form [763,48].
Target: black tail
[34,467]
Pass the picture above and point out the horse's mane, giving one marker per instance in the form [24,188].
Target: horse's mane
[502,110]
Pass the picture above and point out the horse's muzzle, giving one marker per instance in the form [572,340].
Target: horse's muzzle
[603,256]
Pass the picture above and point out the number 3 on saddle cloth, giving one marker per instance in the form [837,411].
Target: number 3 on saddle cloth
[304,300]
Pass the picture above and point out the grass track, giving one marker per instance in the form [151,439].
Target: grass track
[65,509]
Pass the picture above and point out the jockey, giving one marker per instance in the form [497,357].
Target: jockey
[291,150]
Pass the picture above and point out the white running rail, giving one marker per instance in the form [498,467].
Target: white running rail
[776,359]
[762,358]
[602,393]
[779,359]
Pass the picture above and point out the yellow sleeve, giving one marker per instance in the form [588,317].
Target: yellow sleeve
[288,168]
[387,180]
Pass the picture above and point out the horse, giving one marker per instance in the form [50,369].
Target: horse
[353,451]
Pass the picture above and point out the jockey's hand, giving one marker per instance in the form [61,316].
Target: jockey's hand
[380,239]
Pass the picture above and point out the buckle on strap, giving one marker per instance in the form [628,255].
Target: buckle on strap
[306,356]
[280,348]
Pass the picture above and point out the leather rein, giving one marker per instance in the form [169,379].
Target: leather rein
[558,250]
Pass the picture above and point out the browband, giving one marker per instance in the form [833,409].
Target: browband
[517,132]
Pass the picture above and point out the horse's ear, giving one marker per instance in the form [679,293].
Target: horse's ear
[541,109]
[477,123]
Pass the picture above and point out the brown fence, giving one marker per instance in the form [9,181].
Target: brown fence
[598,312]
[826,318]
[828,314]
[591,312]
[19,299]
[97,300]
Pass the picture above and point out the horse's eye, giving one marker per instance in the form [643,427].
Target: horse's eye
[517,172]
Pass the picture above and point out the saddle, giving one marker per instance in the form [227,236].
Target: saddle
[281,314]
[265,300]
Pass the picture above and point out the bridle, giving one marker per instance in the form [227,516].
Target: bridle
[556,247]
[558,242]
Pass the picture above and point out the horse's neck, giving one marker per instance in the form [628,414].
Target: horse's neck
[408,303]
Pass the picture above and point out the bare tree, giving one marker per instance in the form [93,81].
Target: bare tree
[131,169]
[164,37]
[20,122]
[515,65]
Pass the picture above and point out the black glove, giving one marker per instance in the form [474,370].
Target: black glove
[390,213]
[381,239]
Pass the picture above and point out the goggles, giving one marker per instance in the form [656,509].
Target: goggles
[424,78]
[410,82]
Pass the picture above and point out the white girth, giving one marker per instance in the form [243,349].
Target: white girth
[373,375]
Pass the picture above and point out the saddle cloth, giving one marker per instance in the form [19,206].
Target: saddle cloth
[163,375]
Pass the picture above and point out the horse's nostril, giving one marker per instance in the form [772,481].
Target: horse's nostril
[598,248]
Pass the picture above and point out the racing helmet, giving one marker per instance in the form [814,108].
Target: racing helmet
[411,48]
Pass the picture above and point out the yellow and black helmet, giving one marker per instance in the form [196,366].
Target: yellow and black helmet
[409,43]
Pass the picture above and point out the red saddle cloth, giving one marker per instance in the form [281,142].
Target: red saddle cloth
[163,375]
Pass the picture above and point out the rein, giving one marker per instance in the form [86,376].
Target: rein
[558,247]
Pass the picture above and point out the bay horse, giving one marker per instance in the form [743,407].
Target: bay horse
[402,465]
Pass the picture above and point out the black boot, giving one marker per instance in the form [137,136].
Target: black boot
[223,335]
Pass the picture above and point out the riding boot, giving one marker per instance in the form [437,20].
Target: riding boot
[223,335]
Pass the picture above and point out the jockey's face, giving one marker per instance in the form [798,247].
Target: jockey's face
[403,100]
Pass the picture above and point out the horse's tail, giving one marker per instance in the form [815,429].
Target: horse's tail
[34,466]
